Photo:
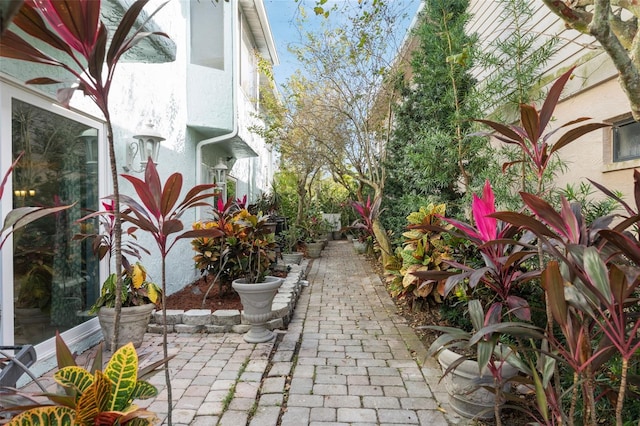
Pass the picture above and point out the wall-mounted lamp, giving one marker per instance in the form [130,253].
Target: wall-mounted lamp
[90,139]
[147,145]
[219,174]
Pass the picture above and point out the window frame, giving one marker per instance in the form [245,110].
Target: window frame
[9,90]
[608,139]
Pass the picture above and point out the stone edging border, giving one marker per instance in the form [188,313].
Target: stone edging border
[232,320]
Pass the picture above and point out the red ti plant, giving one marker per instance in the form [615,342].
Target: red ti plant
[529,136]
[103,243]
[159,215]
[368,213]
[591,293]
[502,255]
[79,39]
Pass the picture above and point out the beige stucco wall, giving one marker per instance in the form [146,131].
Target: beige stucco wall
[585,157]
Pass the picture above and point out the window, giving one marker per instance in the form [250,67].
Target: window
[626,140]
[248,68]
[55,278]
[207,33]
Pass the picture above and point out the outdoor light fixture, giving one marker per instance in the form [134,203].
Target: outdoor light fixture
[22,193]
[147,145]
[219,174]
[90,139]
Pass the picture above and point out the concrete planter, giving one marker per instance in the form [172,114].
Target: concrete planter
[133,323]
[466,397]
[314,249]
[292,258]
[359,246]
[256,301]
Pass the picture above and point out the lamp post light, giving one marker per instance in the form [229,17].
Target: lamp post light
[90,139]
[147,146]
[219,172]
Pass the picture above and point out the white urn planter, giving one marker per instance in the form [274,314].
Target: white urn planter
[292,258]
[465,396]
[133,323]
[256,301]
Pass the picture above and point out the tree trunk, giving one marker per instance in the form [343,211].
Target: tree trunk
[117,233]
[165,344]
[302,193]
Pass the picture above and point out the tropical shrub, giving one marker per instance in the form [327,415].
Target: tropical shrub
[422,250]
[315,227]
[591,208]
[90,396]
[589,274]
[290,238]
[244,247]
[136,290]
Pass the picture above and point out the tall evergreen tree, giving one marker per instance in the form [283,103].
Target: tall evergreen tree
[430,154]
[513,66]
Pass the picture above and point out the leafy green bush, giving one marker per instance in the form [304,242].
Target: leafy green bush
[422,250]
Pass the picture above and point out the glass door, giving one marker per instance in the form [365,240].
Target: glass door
[55,277]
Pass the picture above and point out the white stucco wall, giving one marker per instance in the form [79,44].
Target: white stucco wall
[174,95]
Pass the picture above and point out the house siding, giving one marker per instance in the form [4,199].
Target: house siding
[593,92]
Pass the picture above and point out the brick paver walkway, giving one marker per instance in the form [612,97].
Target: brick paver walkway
[355,360]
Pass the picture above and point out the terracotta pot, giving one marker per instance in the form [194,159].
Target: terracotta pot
[466,397]
[133,323]
[292,258]
[256,301]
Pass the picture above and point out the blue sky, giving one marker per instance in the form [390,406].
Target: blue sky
[282,16]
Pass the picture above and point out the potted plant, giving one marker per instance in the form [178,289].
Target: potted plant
[290,238]
[314,230]
[139,298]
[360,238]
[34,301]
[501,273]
[475,383]
[362,228]
[255,253]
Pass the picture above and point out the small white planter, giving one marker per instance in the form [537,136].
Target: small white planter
[292,258]
[256,301]
[359,246]
[465,396]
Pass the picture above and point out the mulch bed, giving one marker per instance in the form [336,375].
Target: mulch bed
[190,297]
